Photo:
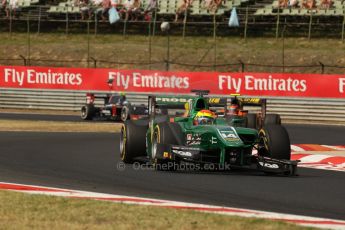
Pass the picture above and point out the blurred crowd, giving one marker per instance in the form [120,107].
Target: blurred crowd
[210,5]
[127,9]
[133,9]
[306,4]
[11,7]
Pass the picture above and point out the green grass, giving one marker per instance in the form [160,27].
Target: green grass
[23,211]
[191,50]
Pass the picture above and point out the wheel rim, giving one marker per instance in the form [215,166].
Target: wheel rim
[124,114]
[156,139]
[83,112]
[123,140]
[154,147]
[263,143]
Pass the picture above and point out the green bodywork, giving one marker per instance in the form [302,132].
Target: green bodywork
[224,136]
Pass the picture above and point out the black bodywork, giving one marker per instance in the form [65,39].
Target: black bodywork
[115,107]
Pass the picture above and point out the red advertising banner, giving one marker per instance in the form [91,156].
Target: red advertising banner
[148,81]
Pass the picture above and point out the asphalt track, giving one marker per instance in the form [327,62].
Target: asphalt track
[87,161]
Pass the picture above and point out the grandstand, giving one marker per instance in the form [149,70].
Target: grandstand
[256,16]
[338,9]
[168,7]
[27,3]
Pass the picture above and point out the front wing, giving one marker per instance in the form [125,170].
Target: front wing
[202,156]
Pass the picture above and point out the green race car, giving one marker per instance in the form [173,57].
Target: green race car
[207,133]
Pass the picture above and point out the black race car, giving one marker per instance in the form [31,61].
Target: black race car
[116,107]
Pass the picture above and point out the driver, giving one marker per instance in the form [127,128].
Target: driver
[204,117]
[234,107]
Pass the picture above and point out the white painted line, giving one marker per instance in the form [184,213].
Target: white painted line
[295,148]
[314,158]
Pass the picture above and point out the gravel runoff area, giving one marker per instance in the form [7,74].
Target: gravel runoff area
[58,126]
[23,124]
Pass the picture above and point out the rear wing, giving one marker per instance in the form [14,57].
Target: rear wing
[180,102]
[90,97]
[250,101]
[222,105]
[170,101]
[219,105]
[183,102]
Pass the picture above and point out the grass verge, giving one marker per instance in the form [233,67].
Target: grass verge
[23,211]
[58,126]
[56,49]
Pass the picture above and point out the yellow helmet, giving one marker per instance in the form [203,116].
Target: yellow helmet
[204,117]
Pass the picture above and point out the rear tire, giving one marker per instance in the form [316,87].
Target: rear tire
[87,112]
[252,121]
[272,119]
[132,141]
[166,133]
[124,113]
[274,142]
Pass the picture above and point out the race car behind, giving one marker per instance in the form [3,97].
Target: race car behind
[115,107]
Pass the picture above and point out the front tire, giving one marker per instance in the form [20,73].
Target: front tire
[274,142]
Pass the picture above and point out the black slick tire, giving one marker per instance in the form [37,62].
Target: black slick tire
[132,141]
[274,142]
[165,133]
[87,112]
[251,120]
[272,119]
